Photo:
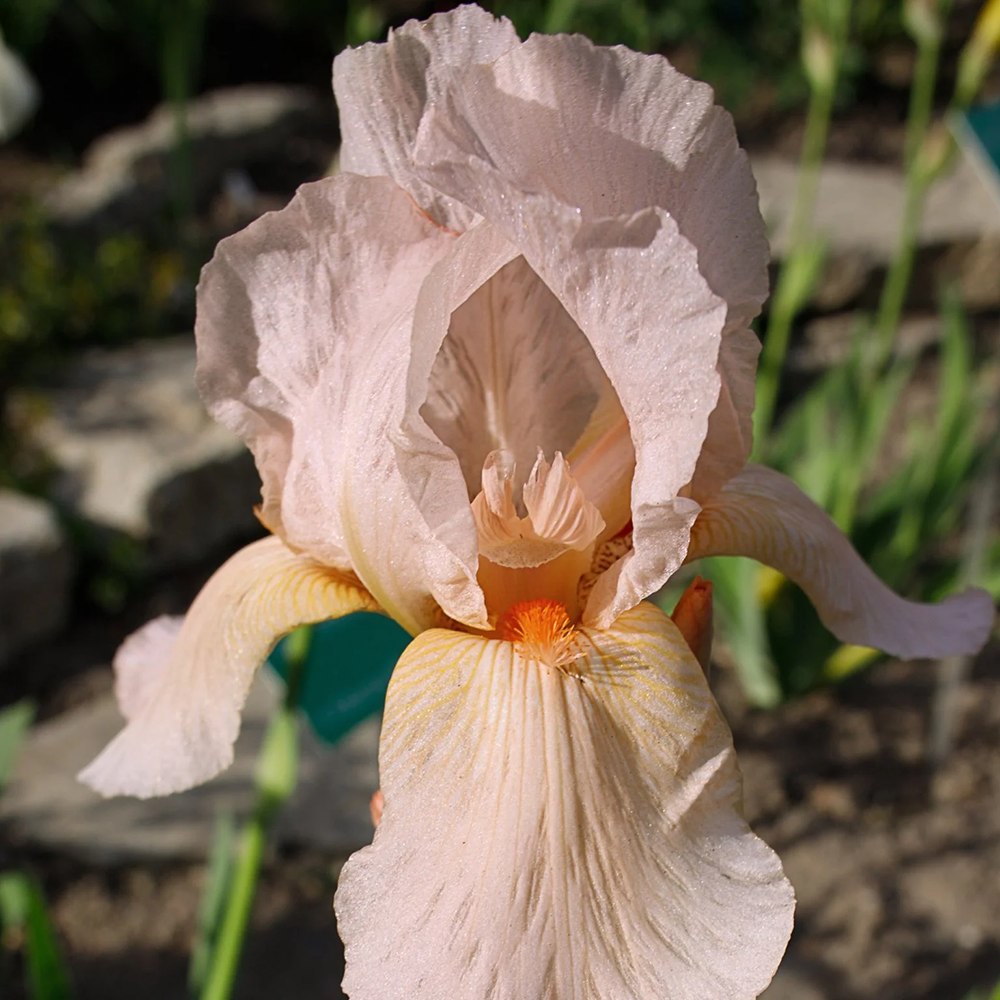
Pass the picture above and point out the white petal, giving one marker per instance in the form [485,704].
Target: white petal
[288,310]
[555,833]
[305,334]
[633,286]
[763,515]
[729,440]
[183,720]
[613,132]
[141,661]
[382,91]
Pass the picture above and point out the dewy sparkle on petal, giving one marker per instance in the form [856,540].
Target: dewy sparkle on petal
[498,373]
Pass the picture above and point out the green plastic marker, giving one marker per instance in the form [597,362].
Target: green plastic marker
[346,670]
[977,131]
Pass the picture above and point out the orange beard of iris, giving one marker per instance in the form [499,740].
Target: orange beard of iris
[541,630]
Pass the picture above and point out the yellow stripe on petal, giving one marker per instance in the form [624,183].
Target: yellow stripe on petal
[560,834]
[182,685]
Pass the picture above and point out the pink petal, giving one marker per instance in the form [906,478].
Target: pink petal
[606,131]
[633,286]
[382,91]
[183,719]
[730,427]
[514,373]
[765,516]
[141,661]
[560,832]
[305,333]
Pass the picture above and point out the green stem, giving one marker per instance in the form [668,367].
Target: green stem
[897,280]
[788,291]
[276,778]
[918,180]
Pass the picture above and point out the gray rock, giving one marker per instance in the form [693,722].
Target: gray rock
[125,178]
[36,569]
[858,211]
[45,805]
[136,455]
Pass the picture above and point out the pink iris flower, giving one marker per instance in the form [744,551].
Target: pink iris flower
[497,375]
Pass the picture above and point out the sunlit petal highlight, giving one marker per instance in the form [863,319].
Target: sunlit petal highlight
[560,832]
[183,722]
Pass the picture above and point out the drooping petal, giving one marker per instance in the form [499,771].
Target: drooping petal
[560,832]
[141,660]
[183,721]
[382,91]
[763,515]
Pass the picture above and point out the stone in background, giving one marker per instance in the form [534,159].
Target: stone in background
[136,456]
[36,569]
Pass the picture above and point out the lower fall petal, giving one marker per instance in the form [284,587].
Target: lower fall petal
[184,717]
[764,515]
[560,833]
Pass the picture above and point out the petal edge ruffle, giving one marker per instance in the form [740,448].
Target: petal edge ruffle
[764,515]
[559,833]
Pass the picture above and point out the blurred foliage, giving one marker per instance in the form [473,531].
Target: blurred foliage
[27,938]
[57,295]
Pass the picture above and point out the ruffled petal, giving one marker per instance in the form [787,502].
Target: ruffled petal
[383,89]
[557,832]
[729,440]
[306,333]
[288,311]
[183,721]
[633,286]
[559,116]
[764,515]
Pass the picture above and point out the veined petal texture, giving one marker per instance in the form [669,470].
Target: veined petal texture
[560,833]
[184,714]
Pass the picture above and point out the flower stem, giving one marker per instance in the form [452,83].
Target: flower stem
[824,33]
[277,768]
[927,28]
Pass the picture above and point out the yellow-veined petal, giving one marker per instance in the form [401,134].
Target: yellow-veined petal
[184,715]
[560,833]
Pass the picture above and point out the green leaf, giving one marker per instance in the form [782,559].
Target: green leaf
[735,583]
[346,670]
[14,723]
[213,899]
[23,912]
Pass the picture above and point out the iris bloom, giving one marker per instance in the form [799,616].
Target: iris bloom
[497,376]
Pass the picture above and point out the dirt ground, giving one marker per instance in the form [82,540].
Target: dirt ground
[895,863]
